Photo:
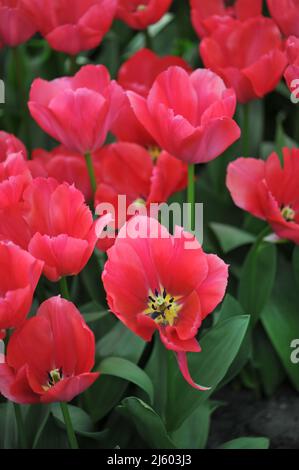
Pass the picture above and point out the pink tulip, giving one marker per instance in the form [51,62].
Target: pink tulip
[189,116]
[77,111]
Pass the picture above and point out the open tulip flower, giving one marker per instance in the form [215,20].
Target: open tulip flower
[16,25]
[20,273]
[156,282]
[138,74]
[77,111]
[206,14]
[285,13]
[189,116]
[72,28]
[139,14]
[269,190]
[248,55]
[49,358]
[128,169]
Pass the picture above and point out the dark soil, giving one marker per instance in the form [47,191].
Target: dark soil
[244,415]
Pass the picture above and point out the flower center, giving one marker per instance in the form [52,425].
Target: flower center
[141,7]
[54,376]
[162,307]
[140,202]
[154,152]
[288,213]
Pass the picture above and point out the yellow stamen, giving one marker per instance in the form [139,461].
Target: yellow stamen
[288,213]
[163,307]
[154,152]
[54,377]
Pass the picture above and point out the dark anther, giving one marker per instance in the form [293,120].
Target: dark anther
[154,307]
[151,298]
[50,378]
[156,293]
[155,315]
[164,294]
[171,300]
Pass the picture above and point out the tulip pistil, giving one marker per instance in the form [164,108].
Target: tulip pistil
[288,213]
[154,152]
[162,307]
[54,376]
[141,7]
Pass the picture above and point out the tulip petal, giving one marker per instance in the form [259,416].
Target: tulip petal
[183,366]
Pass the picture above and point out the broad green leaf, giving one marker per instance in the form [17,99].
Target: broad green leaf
[281,320]
[106,392]
[194,432]
[257,278]
[52,436]
[147,422]
[220,345]
[124,369]
[35,422]
[266,361]
[91,276]
[231,237]
[296,264]
[8,427]
[247,443]
[81,422]
[231,308]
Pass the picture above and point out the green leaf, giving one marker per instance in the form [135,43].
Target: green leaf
[194,432]
[107,391]
[124,369]
[231,237]
[257,278]
[81,422]
[8,427]
[296,264]
[220,346]
[266,361]
[281,320]
[247,443]
[35,422]
[147,422]
[91,276]
[231,308]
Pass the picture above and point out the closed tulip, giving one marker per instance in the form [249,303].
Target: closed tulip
[189,116]
[75,27]
[16,25]
[138,74]
[206,13]
[77,111]
[248,56]
[61,225]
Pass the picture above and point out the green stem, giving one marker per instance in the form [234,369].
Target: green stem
[148,39]
[20,426]
[246,130]
[91,172]
[69,427]
[64,290]
[72,65]
[22,94]
[191,195]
